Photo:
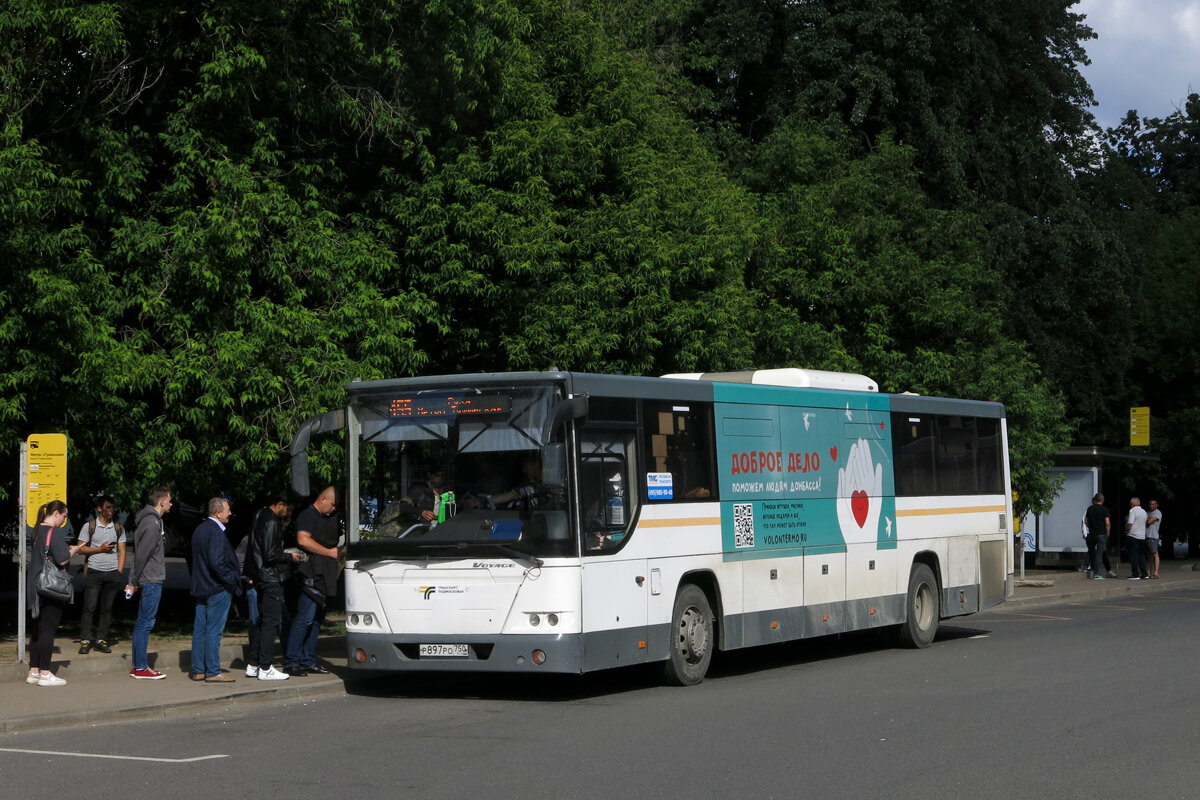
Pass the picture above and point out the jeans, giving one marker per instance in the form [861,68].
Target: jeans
[100,589]
[262,636]
[211,614]
[253,618]
[147,612]
[302,640]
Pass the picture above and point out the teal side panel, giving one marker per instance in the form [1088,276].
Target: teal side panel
[802,469]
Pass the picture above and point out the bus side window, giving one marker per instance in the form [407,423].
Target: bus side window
[914,453]
[946,454]
[680,442]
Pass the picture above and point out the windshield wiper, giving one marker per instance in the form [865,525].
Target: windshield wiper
[515,554]
[366,564]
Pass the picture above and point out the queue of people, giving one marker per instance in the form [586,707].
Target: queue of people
[218,576]
[1143,539]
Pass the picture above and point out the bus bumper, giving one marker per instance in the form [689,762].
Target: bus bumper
[388,652]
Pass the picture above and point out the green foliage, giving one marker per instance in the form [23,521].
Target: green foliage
[219,217]
[212,218]
[857,271]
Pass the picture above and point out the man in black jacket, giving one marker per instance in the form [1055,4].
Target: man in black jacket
[268,567]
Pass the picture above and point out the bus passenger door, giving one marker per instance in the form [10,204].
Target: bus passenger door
[616,586]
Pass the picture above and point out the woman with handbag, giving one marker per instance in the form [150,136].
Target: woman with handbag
[47,609]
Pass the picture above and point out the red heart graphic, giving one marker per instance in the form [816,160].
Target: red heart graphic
[859,505]
[833,453]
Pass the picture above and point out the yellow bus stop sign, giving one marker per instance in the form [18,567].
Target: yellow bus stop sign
[1139,426]
[45,472]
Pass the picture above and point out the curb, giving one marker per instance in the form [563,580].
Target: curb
[1119,588]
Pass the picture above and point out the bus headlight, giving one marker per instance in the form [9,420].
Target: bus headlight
[535,620]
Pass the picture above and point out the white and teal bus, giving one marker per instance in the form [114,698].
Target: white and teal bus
[568,522]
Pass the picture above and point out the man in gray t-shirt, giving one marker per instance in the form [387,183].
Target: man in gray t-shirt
[102,543]
[1153,537]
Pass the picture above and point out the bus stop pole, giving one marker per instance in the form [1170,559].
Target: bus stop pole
[21,526]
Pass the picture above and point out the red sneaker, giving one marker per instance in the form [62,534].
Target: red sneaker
[146,674]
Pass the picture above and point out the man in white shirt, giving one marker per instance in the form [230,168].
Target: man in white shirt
[1135,531]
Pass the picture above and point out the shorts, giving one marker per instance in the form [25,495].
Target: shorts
[1151,545]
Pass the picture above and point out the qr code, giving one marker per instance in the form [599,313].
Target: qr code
[743,525]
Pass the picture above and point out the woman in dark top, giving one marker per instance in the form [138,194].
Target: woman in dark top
[49,611]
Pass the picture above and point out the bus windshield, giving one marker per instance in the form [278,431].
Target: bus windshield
[472,470]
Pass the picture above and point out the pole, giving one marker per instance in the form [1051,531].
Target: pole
[23,481]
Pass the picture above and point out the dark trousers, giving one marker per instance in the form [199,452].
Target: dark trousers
[41,638]
[270,617]
[1137,557]
[1098,552]
[99,591]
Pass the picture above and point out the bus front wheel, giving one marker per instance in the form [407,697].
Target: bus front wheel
[692,639]
[922,608]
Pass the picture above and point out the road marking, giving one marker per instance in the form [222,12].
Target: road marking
[1107,605]
[119,758]
[1027,615]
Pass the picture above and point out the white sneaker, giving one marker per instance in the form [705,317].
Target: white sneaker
[33,678]
[53,680]
[251,672]
[272,674]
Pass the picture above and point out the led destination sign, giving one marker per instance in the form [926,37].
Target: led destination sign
[449,405]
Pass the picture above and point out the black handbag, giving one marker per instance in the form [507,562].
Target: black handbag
[54,582]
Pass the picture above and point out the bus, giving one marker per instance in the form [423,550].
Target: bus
[568,522]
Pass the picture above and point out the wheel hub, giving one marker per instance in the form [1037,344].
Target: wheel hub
[693,635]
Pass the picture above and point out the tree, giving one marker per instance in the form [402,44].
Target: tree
[857,271]
[234,211]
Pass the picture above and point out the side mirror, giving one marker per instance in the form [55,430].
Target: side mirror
[329,421]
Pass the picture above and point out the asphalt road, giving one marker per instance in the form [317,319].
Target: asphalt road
[1076,701]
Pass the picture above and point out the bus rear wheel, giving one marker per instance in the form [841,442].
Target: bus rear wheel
[692,639]
[922,608]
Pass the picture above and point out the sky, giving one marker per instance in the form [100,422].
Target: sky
[1147,56]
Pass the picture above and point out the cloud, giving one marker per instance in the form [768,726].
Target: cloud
[1145,57]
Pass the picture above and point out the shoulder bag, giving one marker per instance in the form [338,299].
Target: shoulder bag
[54,582]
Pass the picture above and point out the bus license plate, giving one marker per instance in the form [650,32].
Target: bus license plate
[443,651]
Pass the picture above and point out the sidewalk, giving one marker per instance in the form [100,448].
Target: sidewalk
[1040,588]
[99,688]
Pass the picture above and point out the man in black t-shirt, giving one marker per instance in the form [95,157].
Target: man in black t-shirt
[1099,525]
[317,535]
